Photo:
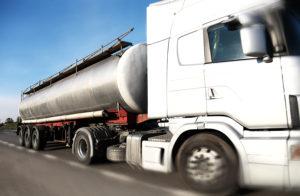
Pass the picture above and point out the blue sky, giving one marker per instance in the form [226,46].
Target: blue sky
[41,37]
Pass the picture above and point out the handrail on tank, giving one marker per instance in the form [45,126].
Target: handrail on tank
[100,54]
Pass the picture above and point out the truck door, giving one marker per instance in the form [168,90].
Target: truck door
[243,88]
[186,85]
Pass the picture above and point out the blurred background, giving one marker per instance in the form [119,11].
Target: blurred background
[40,38]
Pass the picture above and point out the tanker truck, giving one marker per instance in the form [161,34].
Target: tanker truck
[213,95]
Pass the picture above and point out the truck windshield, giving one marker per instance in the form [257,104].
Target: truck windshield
[291,21]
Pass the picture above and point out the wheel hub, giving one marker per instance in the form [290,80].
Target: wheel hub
[26,136]
[82,149]
[205,165]
[20,136]
[34,139]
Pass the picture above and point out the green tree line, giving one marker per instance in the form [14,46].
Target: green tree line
[10,124]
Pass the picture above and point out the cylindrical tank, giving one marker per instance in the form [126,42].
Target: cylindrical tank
[103,85]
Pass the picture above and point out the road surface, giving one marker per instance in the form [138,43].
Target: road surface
[54,172]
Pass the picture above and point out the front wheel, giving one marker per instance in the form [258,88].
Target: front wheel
[208,164]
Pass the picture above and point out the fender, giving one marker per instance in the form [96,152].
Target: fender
[231,129]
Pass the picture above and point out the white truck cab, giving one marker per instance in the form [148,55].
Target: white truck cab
[225,75]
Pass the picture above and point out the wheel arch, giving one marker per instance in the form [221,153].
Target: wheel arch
[226,132]
[189,133]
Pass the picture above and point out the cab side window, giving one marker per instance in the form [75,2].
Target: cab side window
[225,44]
[190,48]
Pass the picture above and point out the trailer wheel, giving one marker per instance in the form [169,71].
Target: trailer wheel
[27,137]
[38,142]
[20,132]
[208,164]
[82,148]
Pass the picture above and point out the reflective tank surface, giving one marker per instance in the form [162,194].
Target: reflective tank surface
[103,85]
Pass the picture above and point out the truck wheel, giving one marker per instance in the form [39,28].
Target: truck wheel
[38,142]
[116,153]
[208,164]
[27,137]
[20,132]
[82,148]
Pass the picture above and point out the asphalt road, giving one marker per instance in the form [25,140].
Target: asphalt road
[54,172]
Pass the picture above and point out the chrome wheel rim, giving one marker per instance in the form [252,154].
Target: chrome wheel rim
[205,165]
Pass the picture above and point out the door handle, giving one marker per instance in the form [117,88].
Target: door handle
[212,94]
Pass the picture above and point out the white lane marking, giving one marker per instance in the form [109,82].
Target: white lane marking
[19,147]
[110,174]
[125,178]
[4,142]
[117,176]
[171,191]
[31,151]
[181,192]
[11,145]
[8,144]
[49,156]
[75,164]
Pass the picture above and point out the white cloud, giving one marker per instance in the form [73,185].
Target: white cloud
[9,107]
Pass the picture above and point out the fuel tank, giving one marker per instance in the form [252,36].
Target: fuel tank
[117,80]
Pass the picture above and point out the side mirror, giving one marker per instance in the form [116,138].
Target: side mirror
[253,39]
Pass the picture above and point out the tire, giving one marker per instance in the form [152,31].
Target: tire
[208,164]
[82,148]
[20,132]
[38,139]
[116,153]
[27,137]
